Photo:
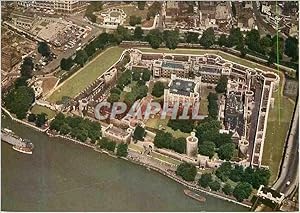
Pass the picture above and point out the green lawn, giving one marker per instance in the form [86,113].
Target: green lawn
[165,158]
[85,76]
[278,125]
[36,109]
[155,122]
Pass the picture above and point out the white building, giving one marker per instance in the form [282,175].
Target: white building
[67,6]
[182,90]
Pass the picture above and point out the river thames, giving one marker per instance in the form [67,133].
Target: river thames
[63,176]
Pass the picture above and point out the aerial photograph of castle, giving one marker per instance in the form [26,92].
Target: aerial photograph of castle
[149,106]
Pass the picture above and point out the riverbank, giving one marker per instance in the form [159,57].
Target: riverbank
[136,158]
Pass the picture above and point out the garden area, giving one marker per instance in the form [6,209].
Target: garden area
[37,109]
[87,74]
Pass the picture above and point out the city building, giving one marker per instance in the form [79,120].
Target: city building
[270,194]
[23,21]
[117,134]
[66,6]
[165,68]
[182,90]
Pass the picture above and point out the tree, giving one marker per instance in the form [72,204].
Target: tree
[116,90]
[179,145]
[222,41]
[192,37]
[19,100]
[222,84]
[141,5]
[276,49]
[81,57]
[223,171]
[227,189]
[205,179]
[27,67]
[291,48]
[107,144]
[171,38]
[134,20]
[214,185]
[237,173]
[141,92]
[44,49]
[154,9]
[130,98]
[154,38]
[235,37]
[207,148]
[158,89]
[136,74]
[66,64]
[163,139]
[242,191]
[256,177]
[121,34]
[208,130]
[226,151]
[146,75]
[21,81]
[222,138]
[41,119]
[213,109]
[186,126]
[139,133]
[138,33]
[65,129]
[208,38]
[122,150]
[266,42]
[186,171]
[31,117]
[252,41]
[90,49]
[113,97]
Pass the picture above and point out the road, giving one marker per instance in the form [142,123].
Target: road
[262,25]
[289,170]
[292,169]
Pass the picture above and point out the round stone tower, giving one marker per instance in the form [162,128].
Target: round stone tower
[192,145]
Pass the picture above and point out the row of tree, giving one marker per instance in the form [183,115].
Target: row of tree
[167,141]
[77,127]
[20,97]
[241,191]
[39,119]
[109,145]
[83,55]
[246,179]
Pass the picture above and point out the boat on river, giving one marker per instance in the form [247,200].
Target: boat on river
[194,195]
[18,144]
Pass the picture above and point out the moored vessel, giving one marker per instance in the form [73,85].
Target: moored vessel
[18,144]
[194,195]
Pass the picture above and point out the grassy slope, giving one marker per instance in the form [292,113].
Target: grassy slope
[89,73]
[36,109]
[277,129]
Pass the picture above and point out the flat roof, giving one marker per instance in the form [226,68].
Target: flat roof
[182,87]
[172,64]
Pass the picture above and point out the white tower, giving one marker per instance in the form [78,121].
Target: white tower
[192,145]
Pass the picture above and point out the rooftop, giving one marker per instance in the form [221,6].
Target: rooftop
[182,87]
[172,64]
